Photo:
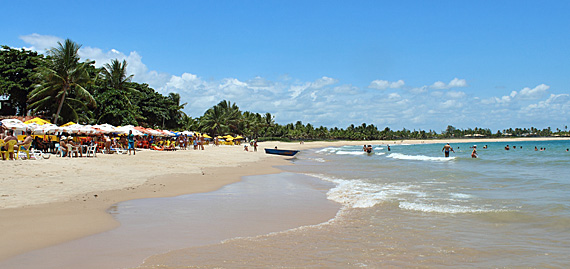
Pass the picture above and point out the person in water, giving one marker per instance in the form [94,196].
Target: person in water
[507,147]
[368,148]
[389,148]
[446,149]
[474,152]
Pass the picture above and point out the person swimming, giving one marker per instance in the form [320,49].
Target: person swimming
[474,152]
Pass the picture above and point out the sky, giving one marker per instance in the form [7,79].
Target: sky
[397,64]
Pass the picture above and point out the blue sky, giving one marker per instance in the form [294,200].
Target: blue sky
[397,64]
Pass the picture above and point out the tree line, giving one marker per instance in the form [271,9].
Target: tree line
[61,88]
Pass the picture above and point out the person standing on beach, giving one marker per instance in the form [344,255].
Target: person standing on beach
[131,138]
[446,149]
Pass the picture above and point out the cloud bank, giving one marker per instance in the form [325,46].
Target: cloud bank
[330,102]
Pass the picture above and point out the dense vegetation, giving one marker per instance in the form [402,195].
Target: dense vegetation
[61,88]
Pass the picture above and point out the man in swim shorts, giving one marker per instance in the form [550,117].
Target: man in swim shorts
[131,138]
[446,150]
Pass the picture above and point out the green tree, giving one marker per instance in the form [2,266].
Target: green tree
[17,76]
[63,81]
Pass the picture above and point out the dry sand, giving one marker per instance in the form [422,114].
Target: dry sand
[46,202]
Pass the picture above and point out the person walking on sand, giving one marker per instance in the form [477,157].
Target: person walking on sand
[131,138]
[446,149]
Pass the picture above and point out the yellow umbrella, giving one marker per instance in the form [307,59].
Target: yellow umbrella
[228,136]
[219,136]
[239,137]
[37,121]
[206,136]
[69,123]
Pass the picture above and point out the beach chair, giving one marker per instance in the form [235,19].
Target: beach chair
[58,150]
[71,149]
[1,151]
[23,149]
[9,148]
[92,151]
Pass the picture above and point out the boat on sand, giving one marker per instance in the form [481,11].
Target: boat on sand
[284,152]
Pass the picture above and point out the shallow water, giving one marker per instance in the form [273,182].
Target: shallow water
[257,205]
[413,207]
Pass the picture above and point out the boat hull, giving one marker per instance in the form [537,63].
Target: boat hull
[284,152]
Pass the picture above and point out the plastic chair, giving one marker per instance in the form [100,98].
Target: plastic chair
[23,148]
[1,151]
[9,148]
[71,149]
[92,150]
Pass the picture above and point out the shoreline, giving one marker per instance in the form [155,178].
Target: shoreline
[33,226]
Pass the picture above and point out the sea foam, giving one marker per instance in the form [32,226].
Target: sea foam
[419,157]
[359,194]
[434,208]
[342,152]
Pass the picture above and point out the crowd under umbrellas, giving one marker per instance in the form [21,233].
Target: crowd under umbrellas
[47,136]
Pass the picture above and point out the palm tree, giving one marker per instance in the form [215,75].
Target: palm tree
[115,75]
[213,121]
[62,76]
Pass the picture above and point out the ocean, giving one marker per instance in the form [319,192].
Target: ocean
[412,207]
[338,207]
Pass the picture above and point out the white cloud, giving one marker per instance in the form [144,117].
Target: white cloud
[297,90]
[456,94]
[524,94]
[394,96]
[324,101]
[41,43]
[535,92]
[454,83]
[384,84]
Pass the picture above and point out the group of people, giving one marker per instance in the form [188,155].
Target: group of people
[367,148]
[253,144]
[8,148]
[447,148]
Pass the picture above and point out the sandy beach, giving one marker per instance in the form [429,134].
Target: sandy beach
[46,202]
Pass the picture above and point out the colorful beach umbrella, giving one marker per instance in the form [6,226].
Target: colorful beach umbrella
[68,124]
[38,121]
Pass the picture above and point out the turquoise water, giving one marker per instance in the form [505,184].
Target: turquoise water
[505,208]
[411,207]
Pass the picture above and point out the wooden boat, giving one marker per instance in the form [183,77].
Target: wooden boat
[284,152]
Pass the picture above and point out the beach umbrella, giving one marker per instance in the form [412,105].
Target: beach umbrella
[37,121]
[47,129]
[68,124]
[206,136]
[15,124]
[105,128]
[128,128]
[239,137]
[81,129]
